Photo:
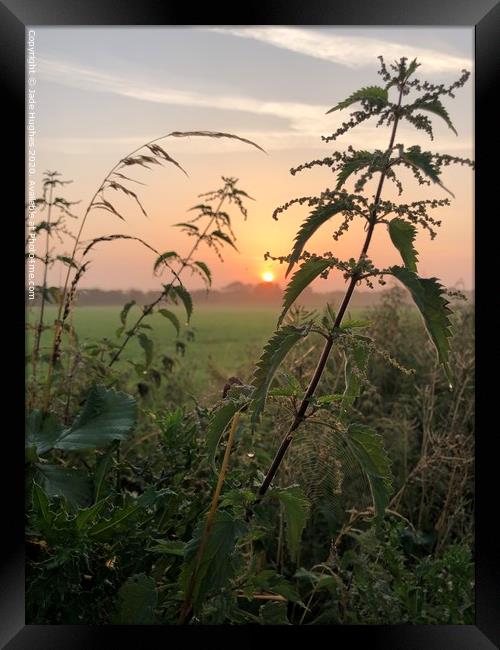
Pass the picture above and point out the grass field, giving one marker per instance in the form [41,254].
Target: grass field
[228,340]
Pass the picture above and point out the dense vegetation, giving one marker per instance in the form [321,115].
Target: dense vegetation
[150,504]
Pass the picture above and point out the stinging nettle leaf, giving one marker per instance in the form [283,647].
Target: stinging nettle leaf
[296,510]
[317,218]
[218,424]
[402,236]
[428,295]
[301,279]
[172,318]
[186,299]
[367,447]
[124,312]
[205,270]
[274,352]
[223,237]
[148,346]
[377,98]
[137,599]
[435,106]
[163,258]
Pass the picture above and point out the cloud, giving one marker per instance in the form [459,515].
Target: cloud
[303,124]
[350,51]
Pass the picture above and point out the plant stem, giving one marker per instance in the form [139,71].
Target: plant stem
[58,324]
[299,417]
[187,605]
[36,348]
[150,307]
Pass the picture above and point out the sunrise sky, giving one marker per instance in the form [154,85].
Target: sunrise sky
[101,92]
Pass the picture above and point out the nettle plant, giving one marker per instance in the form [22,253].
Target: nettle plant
[402,97]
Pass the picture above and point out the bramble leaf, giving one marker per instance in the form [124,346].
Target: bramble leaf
[402,236]
[427,294]
[301,279]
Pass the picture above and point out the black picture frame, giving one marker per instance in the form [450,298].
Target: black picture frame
[484,15]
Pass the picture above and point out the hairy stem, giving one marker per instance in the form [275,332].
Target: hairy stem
[299,417]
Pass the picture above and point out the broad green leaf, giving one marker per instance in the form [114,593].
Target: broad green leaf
[274,352]
[107,415]
[42,431]
[148,346]
[274,613]
[296,510]
[427,294]
[137,600]
[72,484]
[374,95]
[172,318]
[301,279]
[219,421]
[317,218]
[205,270]
[367,447]
[223,237]
[403,235]
[435,106]
[217,564]
[186,299]
[124,312]
[163,258]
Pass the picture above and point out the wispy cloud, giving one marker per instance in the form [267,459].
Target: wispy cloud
[351,51]
[303,124]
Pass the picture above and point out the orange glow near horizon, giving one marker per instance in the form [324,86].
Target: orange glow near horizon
[267,276]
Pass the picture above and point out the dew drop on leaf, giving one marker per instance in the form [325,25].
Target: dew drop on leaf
[251,454]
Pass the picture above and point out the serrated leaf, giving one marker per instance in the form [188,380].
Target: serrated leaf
[163,258]
[107,415]
[219,421]
[124,312]
[137,599]
[274,613]
[428,295]
[375,95]
[205,270]
[217,566]
[172,318]
[308,271]
[355,163]
[435,106]
[355,366]
[317,218]
[72,484]
[274,352]
[223,237]
[422,160]
[402,235]
[296,510]
[41,505]
[103,465]
[367,447]
[186,299]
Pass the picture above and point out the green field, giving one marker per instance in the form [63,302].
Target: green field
[227,341]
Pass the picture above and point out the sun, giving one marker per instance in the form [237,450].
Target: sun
[268,276]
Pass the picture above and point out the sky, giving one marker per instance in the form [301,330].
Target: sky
[102,92]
